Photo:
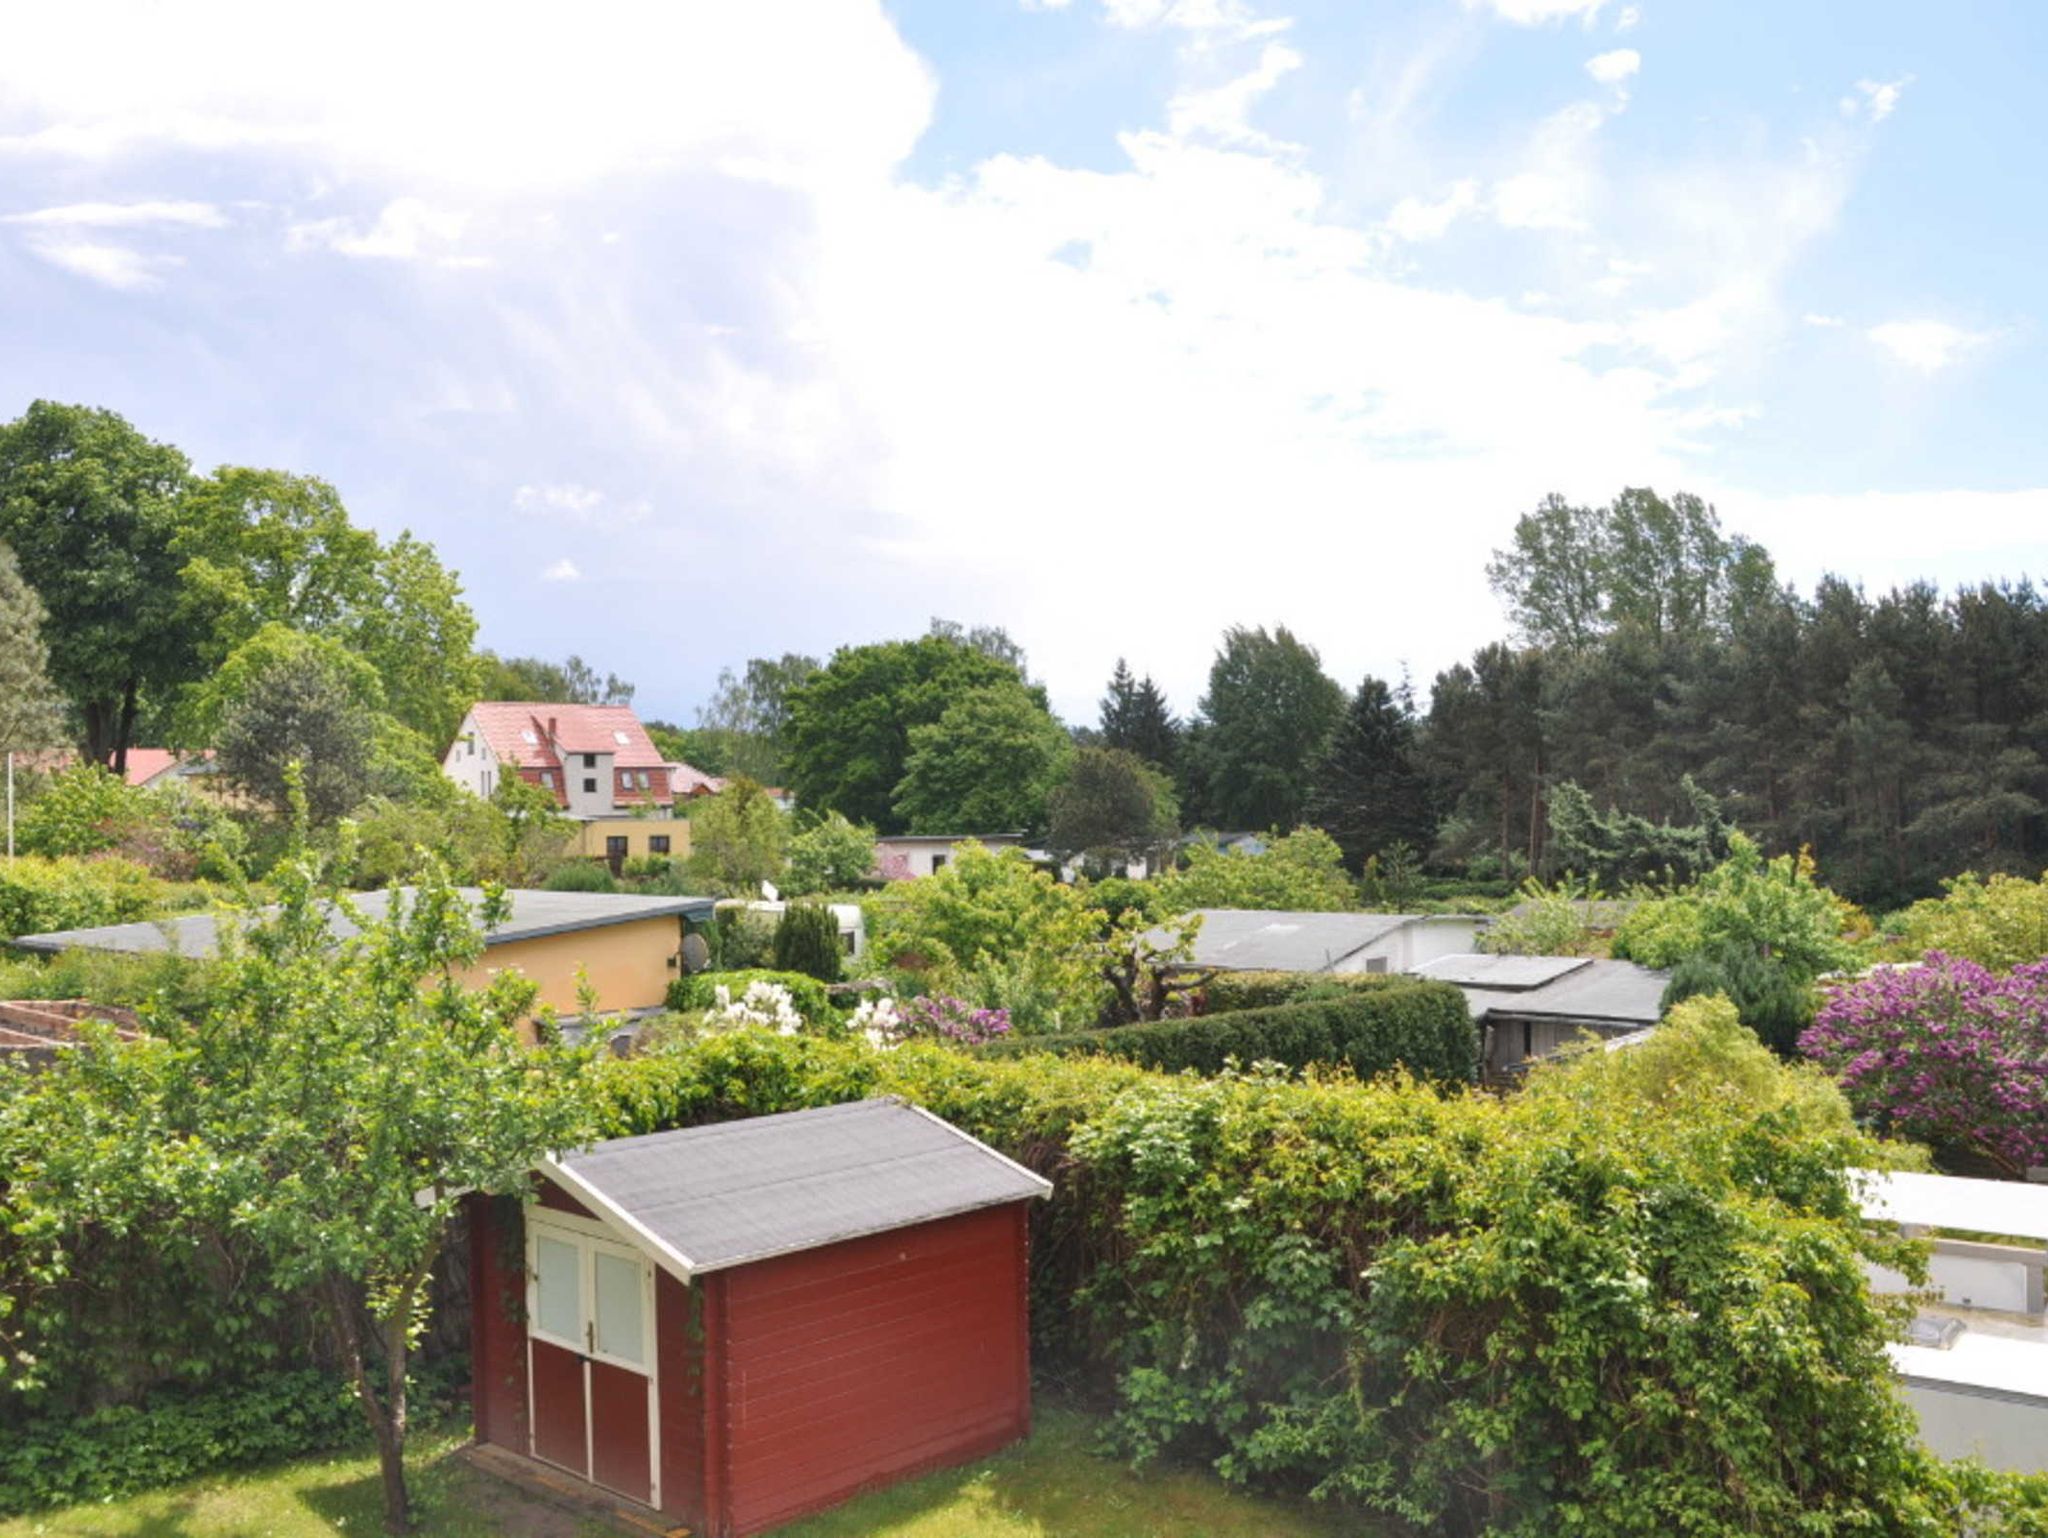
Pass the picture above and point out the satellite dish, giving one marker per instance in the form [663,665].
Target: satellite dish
[768,891]
[696,954]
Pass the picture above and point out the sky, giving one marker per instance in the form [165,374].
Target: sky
[692,331]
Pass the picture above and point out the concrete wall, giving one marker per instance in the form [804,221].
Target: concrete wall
[596,802]
[628,964]
[470,762]
[1414,945]
[636,831]
[903,858]
[2007,1431]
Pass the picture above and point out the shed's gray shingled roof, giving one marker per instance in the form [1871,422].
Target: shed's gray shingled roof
[1611,994]
[1253,940]
[534,914]
[742,1191]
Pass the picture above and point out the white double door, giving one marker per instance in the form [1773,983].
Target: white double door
[590,1342]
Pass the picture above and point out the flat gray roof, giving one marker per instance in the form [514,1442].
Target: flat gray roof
[1597,992]
[534,914]
[1254,940]
[713,1197]
[1507,974]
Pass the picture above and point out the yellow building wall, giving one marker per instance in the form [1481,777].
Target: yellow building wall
[636,831]
[628,964]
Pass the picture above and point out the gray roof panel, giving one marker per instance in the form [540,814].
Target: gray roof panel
[1252,940]
[1509,974]
[1609,994]
[534,914]
[742,1191]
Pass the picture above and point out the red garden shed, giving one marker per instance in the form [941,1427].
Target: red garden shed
[739,1324]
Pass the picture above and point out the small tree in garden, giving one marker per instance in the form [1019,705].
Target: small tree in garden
[1949,1053]
[830,855]
[2002,922]
[737,839]
[807,941]
[329,1109]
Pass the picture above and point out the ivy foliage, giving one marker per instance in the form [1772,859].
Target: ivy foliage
[120,1449]
[1629,1300]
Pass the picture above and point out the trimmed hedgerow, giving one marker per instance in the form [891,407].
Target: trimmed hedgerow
[700,991]
[1228,991]
[1630,1299]
[1422,1027]
[125,1448]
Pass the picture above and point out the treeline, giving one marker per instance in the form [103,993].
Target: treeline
[1661,685]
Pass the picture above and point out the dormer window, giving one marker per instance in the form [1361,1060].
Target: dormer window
[527,735]
[621,738]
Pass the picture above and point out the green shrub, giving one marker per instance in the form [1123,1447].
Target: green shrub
[581,876]
[1259,990]
[181,985]
[1766,997]
[1630,1300]
[1423,1027]
[807,941]
[38,895]
[700,991]
[174,1437]
[84,810]
[741,940]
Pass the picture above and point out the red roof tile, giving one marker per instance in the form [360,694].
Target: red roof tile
[535,734]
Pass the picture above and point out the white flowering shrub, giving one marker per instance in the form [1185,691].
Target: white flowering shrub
[763,1003]
[877,1021]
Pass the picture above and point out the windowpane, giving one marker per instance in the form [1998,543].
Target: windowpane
[619,1305]
[558,1288]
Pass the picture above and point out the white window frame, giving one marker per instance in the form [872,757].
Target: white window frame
[590,1237]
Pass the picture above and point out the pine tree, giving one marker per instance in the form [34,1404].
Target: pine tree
[1370,791]
[1135,718]
[29,706]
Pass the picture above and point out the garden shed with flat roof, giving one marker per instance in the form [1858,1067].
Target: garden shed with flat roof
[735,1325]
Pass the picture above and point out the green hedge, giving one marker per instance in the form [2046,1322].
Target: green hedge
[1260,990]
[1624,1301]
[126,1448]
[1421,1026]
[700,991]
[38,895]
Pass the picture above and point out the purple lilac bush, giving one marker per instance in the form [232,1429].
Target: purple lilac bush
[946,1018]
[1949,1053]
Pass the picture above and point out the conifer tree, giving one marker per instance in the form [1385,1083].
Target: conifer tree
[1135,718]
[1370,790]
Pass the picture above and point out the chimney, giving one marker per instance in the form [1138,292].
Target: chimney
[553,734]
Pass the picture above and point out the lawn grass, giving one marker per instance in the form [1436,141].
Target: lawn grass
[1049,1487]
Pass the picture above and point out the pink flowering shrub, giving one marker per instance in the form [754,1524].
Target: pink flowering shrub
[1949,1053]
[945,1018]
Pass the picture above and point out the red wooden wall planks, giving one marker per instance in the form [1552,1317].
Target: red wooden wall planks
[497,1312]
[851,1366]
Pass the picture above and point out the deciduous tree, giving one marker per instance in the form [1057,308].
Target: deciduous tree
[30,708]
[89,506]
[1266,719]
[985,766]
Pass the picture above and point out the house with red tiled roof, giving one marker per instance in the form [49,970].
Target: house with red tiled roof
[597,761]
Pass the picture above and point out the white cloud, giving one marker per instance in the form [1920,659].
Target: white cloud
[1221,113]
[1420,219]
[1615,66]
[1875,98]
[113,266]
[584,505]
[408,229]
[1927,345]
[1812,318]
[1556,189]
[873,379]
[1531,13]
[121,215]
[1628,20]
[485,95]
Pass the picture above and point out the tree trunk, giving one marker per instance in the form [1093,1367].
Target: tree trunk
[98,733]
[386,1414]
[126,728]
